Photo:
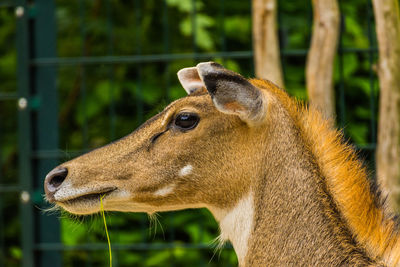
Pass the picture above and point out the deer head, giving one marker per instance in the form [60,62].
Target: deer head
[198,152]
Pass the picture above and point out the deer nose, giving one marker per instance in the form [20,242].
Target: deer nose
[53,181]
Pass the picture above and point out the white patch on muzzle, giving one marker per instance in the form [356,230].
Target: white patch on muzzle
[67,191]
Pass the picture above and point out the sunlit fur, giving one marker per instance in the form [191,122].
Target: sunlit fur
[154,221]
[346,179]
[80,219]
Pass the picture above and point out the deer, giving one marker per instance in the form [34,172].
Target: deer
[283,184]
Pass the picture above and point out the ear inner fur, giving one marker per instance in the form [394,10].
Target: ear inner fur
[190,80]
[232,93]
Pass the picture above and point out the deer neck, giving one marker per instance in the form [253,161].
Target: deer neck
[287,216]
[296,219]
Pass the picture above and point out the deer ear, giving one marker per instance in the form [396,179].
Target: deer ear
[190,79]
[232,93]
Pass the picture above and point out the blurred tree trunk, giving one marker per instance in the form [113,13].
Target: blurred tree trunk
[266,42]
[387,17]
[320,60]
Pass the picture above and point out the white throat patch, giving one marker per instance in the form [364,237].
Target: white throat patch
[236,225]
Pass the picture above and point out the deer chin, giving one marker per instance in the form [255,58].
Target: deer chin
[85,203]
[113,199]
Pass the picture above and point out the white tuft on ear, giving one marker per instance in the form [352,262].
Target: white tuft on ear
[190,79]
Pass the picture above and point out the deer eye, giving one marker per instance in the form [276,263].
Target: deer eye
[186,121]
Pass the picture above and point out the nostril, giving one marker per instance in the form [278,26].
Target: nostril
[55,178]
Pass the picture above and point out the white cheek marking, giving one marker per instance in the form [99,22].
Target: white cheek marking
[186,170]
[124,194]
[165,190]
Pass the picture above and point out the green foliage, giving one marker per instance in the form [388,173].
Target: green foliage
[203,38]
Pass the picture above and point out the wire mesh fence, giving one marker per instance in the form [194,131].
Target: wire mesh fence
[83,73]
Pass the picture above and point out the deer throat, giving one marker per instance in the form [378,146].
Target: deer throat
[236,224]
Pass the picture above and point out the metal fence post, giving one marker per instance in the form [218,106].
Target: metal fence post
[24,134]
[46,122]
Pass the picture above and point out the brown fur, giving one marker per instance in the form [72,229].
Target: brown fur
[346,181]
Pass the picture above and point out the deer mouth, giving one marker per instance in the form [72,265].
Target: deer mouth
[89,197]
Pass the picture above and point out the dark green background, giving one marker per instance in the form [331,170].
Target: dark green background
[92,71]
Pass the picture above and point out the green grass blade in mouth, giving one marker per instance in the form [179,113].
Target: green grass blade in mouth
[105,226]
